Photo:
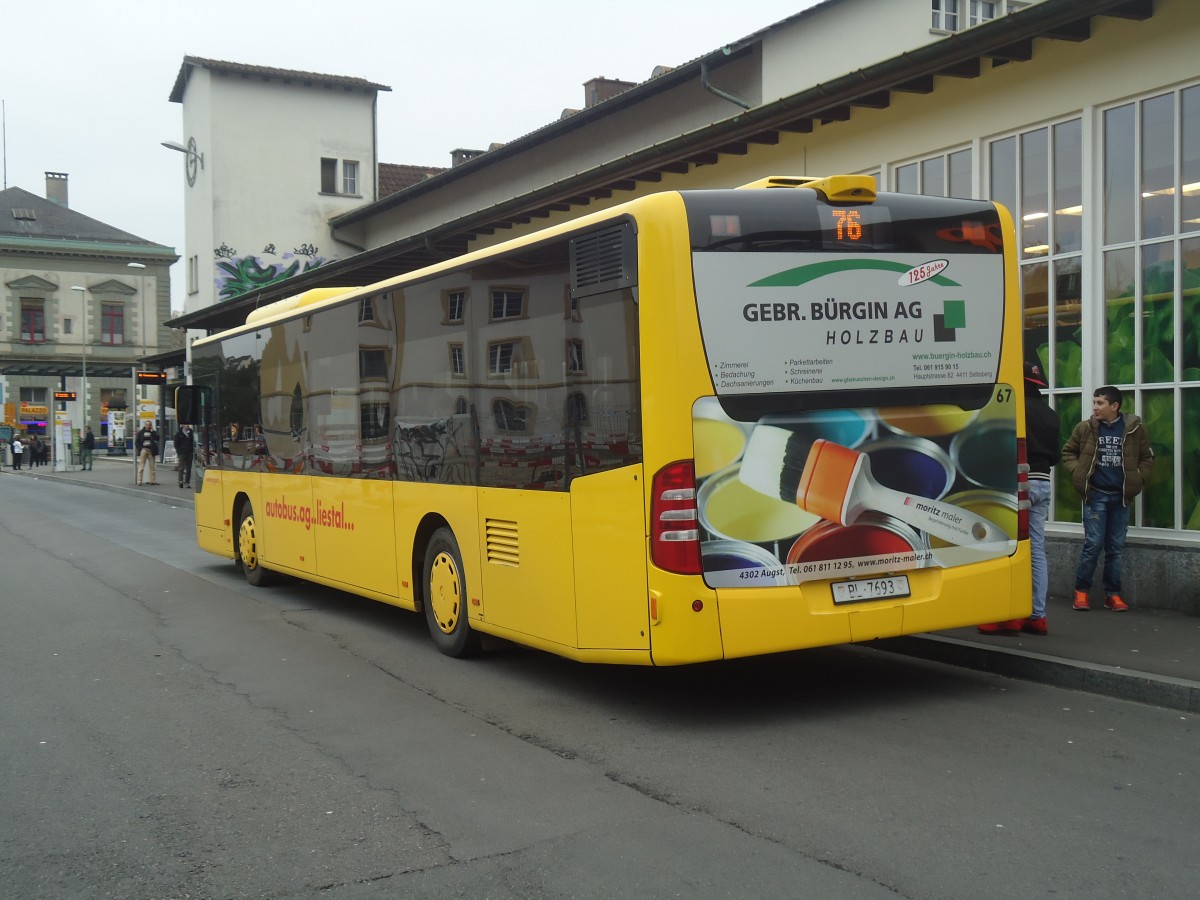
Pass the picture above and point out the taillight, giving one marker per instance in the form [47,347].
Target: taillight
[1022,492]
[674,519]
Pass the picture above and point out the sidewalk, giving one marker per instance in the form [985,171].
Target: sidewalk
[1146,655]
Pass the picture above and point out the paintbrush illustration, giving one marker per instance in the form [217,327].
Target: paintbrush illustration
[836,483]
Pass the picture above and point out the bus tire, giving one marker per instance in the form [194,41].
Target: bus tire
[445,596]
[248,558]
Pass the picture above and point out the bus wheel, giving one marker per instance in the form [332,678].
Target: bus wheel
[247,548]
[446,597]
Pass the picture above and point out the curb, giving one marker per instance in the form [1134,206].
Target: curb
[1092,678]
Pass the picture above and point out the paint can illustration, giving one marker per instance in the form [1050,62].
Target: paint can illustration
[911,466]
[985,454]
[995,506]
[731,510]
[738,564]
[718,440]
[930,420]
[847,427]
[873,534]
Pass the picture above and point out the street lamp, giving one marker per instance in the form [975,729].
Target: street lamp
[144,315]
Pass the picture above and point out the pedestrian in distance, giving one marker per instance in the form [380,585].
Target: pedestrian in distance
[1042,452]
[185,447]
[87,445]
[147,448]
[1109,458]
[18,451]
[34,451]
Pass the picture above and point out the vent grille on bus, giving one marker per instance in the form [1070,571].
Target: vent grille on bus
[603,261]
[503,544]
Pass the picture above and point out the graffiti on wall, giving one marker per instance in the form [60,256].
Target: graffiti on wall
[236,275]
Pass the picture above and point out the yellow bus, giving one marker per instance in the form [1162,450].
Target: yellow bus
[699,425]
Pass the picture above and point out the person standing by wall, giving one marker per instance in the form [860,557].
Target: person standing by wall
[1109,458]
[18,451]
[87,445]
[1042,451]
[147,449]
[185,446]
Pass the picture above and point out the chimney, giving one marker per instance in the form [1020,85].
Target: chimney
[56,188]
[461,155]
[600,89]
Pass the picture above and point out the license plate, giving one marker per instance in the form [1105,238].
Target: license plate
[870,589]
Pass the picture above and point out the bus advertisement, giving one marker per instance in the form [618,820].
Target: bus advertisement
[700,425]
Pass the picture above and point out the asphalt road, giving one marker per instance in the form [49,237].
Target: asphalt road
[167,731]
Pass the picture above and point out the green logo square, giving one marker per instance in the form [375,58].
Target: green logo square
[955,313]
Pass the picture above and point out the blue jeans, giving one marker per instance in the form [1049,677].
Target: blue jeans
[1039,508]
[1105,521]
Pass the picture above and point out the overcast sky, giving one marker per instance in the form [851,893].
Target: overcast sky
[85,83]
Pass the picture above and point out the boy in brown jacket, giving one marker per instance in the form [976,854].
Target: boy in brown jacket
[1109,458]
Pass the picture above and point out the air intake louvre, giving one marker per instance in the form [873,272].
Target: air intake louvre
[502,542]
[603,261]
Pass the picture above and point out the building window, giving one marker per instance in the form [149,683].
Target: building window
[1150,232]
[575,364]
[511,417]
[33,322]
[944,175]
[372,364]
[945,15]
[512,357]
[68,326]
[193,274]
[507,303]
[454,303]
[329,176]
[953,15]
[112,323]
[366,310]
[577,409]
[349,177]
[500,357]
[458,362]
[373,420]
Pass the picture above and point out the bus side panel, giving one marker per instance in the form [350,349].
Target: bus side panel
[354,523]
[214,531]
[525,540]
[609,546]
[284,512]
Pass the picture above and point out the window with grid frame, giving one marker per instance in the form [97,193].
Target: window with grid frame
[575,364]
[349,176]
[366,310]
[33,321]
[454,303]
[507,303]
[511,417]
[458,361]
[112,323]
[372,364]
[943,175]
[512,357]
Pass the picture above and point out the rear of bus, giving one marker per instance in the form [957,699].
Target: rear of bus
[841,457]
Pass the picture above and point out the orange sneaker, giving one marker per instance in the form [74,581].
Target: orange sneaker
[1081,601]
[1115,603]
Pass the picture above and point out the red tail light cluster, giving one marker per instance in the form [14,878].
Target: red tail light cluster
[674,519]
[1022,492]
